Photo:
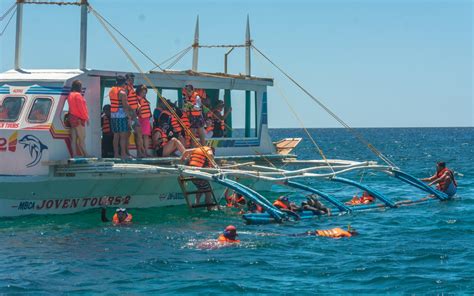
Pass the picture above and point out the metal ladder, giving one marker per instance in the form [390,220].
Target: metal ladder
[188,194]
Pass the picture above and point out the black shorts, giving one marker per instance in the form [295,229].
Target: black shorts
[202,185]
[159,152]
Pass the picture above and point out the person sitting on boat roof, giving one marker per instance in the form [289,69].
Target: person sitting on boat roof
[107,134]
[365,199]
[164,144]
[444,179]
[229,235]
[121,216]
[314,205]
[331,233]
[202,157]
[193,105]
[119,110]
[284,205]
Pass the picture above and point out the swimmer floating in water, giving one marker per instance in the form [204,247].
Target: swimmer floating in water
[121,217]
[331,233]
[229,235]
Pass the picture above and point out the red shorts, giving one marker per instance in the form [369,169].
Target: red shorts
[75,121]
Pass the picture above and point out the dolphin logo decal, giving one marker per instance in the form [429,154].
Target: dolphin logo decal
[35,148]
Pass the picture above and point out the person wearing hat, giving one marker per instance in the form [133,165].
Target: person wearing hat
[444,179]
[229,235]
[121,216]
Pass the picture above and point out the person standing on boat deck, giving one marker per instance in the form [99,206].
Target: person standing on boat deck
[78,117]
[134,104]
[144,117]
[219,119]
[444,179]
[194,106]
[107,134]
[119,110]
[200,157]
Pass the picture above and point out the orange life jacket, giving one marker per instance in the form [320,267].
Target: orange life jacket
[223,239]
[334,233]
[128,219]
[132,98]
[367,199]
[163,137]
[177,126]
[441,184]
[192,99]
[115,102]
[280,204]
[105,125]
[199,158]
[145,111]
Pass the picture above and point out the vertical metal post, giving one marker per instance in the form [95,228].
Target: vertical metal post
[248,44]
[83,36]
[196,46]
[19,29]
[225,59]
[248,112]
[227,106]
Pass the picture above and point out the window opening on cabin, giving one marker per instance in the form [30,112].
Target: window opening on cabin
[10,108]
[65,114]
[40,110]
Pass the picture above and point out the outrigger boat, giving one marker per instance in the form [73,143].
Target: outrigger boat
[38,175]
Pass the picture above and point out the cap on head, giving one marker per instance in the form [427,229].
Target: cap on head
[121,210]
[231,228]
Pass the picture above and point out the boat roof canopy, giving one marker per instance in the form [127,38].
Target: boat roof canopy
[162,79]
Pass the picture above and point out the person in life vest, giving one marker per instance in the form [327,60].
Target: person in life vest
[444,179]
[331,233]
[165,145]
[202,157]
[228,236]
[107,134]
[365,199]
[209,127]
[144,115]
[314,205]
[284,205]
[134,103]
[121,216]
[219,119]
[119,110]
[253,207]
[234,199]
[193,105]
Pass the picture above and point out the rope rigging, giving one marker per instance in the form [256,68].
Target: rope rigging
[7,12]
[338,119]
[8,22]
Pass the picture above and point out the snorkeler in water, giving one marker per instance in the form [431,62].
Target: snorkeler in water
[121,216]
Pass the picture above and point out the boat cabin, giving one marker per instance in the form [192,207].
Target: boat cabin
[33,105]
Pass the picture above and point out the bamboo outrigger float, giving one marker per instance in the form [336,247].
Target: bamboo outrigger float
[39,177]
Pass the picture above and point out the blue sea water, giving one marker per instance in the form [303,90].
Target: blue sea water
[422,249]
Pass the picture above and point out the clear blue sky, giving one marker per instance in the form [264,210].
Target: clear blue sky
[375,63]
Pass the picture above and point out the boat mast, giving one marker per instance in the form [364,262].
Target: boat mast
[248,44]
[196,46]
[83,36]
[19,29]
